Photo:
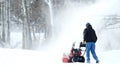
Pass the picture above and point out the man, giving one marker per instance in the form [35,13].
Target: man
[90,38]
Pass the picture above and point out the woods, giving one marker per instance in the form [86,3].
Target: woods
[33,18]
[25,16]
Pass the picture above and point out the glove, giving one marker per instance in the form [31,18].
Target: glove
[84,42]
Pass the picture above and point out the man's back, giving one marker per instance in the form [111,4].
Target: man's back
[89,34]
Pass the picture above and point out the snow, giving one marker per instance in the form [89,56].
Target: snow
[17,58]
[110,57]
[23,58]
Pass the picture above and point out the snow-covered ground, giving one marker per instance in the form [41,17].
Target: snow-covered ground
[110,57]
[17,58]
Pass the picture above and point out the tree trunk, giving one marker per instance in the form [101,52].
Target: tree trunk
[27,42]
[8,22]
[3,22]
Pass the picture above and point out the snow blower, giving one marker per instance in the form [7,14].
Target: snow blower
[75,55]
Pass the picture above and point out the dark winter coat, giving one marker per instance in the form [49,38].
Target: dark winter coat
[89,34]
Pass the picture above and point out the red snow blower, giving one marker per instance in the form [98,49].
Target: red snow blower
[75,55]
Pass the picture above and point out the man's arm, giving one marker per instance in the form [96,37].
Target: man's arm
[85,35]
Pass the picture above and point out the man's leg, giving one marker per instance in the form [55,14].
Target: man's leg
[93,52]
[88,46]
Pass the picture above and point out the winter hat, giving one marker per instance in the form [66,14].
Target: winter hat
[88,24]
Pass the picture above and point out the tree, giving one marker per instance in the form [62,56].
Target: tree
[27,41]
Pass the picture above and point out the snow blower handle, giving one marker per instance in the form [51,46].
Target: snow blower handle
[83,44]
